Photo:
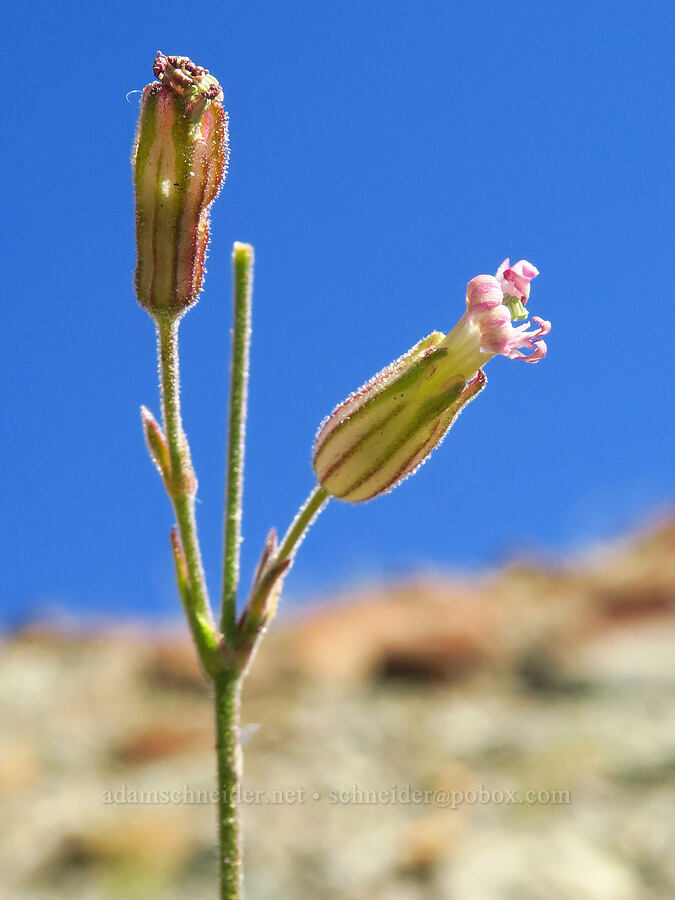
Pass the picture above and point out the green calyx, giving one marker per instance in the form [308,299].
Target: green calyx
[385,430]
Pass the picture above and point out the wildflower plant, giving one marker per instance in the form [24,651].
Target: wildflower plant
[372,441]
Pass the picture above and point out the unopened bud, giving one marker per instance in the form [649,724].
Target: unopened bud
[180,158]
[262,604]
[185,481]
[156,442]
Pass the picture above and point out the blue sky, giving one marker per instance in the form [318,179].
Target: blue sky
[381,155]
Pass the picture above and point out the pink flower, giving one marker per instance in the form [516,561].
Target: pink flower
[515,280]
[487,311]
[383,432]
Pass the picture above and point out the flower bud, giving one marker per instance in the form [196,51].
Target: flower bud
[387,429]
[179,159]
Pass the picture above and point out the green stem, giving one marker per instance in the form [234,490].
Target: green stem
[227,686]
[227,681]
[262,604]
[301,523]
[242,263]
[181,486]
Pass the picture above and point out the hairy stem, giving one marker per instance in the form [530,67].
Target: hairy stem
[301,523]
[227,698]
[181,485]
[227,681]
[242,263]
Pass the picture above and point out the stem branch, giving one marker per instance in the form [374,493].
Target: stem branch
[242,263]
[181,485]
[301,523]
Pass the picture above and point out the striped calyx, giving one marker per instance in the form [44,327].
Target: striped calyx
[384,431]
[179,159]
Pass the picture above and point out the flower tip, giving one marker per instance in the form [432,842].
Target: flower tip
[156,442]
[147,417]
[494,305]
[192,82]
[515,279]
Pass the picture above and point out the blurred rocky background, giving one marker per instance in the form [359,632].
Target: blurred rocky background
[558,680]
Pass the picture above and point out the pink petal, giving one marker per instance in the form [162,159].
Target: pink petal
[516,279]
[522,339]
[483,293]
[500,271]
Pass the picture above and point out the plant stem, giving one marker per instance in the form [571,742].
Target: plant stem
[226,674]
[242,263]
[181,486]
[301,523]
[227,698]
[227,681]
